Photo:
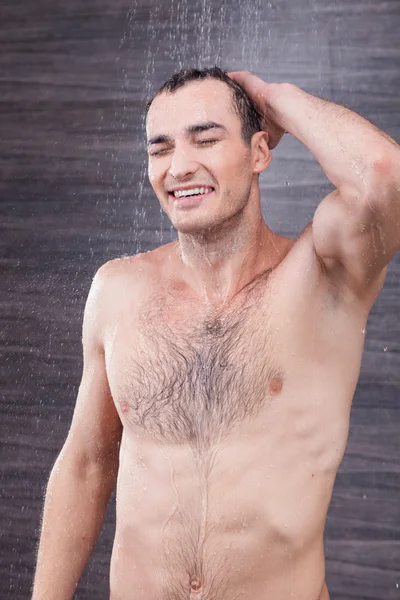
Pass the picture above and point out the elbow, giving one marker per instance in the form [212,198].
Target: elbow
[383,192]
[386,165]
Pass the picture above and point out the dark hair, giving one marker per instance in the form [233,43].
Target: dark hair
[242,103]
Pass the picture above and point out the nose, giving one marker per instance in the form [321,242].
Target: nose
[182,164]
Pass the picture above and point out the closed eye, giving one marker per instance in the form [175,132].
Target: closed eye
[157,153]
[201,142]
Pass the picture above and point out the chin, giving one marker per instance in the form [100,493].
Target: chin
[194,226]
[191,228]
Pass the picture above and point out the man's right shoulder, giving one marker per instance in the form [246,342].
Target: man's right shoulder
[118,277]
[136,265]
[113,283]
[123,267]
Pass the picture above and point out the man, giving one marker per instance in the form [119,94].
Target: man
[225,362]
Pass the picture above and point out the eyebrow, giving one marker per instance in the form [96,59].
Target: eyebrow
[198,128]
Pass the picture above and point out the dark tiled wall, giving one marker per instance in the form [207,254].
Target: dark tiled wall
[73,193]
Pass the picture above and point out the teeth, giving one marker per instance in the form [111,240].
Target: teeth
[193,191]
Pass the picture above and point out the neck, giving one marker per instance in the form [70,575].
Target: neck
[220,262]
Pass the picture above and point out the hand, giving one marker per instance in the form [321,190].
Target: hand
[257,89]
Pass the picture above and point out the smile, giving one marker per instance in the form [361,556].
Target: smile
[193,199]
[192,192]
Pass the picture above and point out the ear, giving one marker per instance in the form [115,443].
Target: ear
[261,153]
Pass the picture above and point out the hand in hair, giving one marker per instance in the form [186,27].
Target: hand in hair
[258,91]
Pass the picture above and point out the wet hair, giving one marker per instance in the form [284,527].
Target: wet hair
[242,104]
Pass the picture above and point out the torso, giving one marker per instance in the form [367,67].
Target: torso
[234,426]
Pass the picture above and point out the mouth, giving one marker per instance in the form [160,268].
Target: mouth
[192,200]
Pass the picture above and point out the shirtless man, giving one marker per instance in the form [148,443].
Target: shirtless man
[219,370]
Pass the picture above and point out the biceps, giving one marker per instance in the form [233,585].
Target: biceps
[96,428]
[355,233]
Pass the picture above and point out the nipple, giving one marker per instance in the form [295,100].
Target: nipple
[124,407]
[275,386]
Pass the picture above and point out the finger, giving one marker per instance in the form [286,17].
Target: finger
[237,75]
[234,77]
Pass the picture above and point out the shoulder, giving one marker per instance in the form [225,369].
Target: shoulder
[116,285]
[110,277]
[118,270]
[118,275]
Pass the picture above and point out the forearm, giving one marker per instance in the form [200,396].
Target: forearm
[345,144]
[74,511]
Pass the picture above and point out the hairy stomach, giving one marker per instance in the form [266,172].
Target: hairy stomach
[245,564]
[239,525]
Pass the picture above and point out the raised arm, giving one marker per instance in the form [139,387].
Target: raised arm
[85,472]
[356,228]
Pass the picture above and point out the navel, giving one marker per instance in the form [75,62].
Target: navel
[275,387]
[196,589]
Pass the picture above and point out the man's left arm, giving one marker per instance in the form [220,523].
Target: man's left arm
[358,224]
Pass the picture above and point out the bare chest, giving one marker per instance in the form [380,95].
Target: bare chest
[186,377]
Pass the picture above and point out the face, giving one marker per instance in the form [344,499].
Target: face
[195,143]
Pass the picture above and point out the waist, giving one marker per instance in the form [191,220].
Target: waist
[196,565]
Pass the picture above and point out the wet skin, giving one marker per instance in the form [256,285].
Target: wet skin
[235,422]
[234,415]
